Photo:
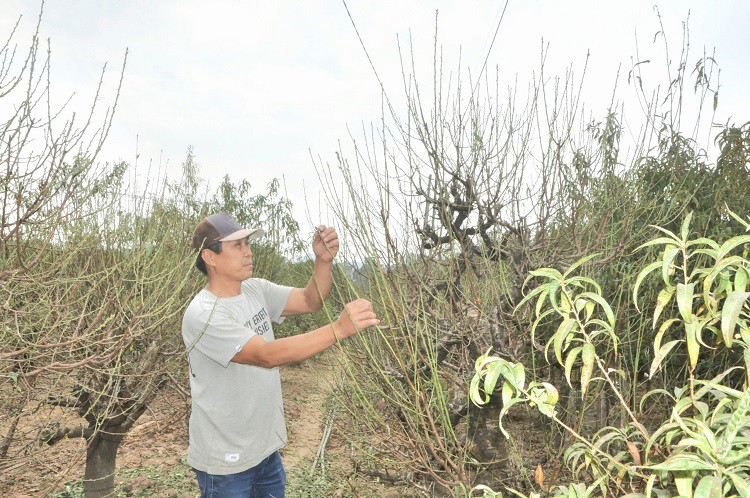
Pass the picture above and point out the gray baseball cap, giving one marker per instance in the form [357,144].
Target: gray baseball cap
[221,227]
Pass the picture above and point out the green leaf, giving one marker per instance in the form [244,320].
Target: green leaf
[657,241]
[740,485]
[740,279]
[685,228]
[660,355]
[740,220]
[730,313]
[540,302]
[709,487]
[719,268]
[507,392]
[735,422]
[702,240]
[665,295]
[692,344]
[588,356]
[569,361]
[669,233]
[13,376]
[601,302]
[662,330]
[670,253]
[730,244]
[519,374]
[563,330]
[650,485]
[493,374]
[648,269]
[549,273]
[542,289]
[685,301]
[503,411]
[474,394]
[579,263]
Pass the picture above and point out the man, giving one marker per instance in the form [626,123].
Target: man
[237,421]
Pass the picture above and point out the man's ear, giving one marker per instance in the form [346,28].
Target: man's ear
[208,257]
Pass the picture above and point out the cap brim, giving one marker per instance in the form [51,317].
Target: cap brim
[245,233]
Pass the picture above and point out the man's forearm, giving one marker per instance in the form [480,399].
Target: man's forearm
[297,348]
[319,285]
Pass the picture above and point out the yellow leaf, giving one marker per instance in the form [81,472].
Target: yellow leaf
[539,476]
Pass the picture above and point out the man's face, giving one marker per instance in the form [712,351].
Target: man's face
[235,262]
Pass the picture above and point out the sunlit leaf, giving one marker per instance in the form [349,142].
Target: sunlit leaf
[732,243]
[579,263]
[684,296]
[660,355]
[561,335]
[730,313]
[740,485]
[709,487]
[588,356]
[507,392]
[735,421]
[657,241]
[667,262]
[685,228]
[740,279]
[601,302]
[692,344]
[662,330]
[665,295]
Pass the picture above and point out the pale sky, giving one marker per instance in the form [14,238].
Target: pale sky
[256,86]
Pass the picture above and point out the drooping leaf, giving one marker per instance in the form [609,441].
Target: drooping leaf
[692,344]
[634,453]
[665,295]
[730,313]
[685,228]
[735,422]
[561,335]
[569,361]
[588,356]
[741,485]
[601,302]
[709,487]
[648,269]
[667,262]
[684,296]
[740,279]
[662,330]
[660,355]
[730,244]
[579,263]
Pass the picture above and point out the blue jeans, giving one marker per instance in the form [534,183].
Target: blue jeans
[267,479]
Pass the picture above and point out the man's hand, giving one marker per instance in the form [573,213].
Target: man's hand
[325,244]
[356,316]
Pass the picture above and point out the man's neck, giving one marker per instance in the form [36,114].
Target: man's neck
[220,287]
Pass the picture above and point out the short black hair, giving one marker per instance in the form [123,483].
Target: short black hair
[200,264]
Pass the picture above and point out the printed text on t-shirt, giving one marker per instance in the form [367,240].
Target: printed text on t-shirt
[259,322]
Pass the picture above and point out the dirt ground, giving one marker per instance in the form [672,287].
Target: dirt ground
[151,460]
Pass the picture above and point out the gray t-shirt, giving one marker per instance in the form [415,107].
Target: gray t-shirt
[237,416]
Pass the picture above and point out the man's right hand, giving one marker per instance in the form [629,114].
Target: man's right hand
[356,316]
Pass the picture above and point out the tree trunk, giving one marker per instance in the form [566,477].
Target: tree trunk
[101,455]
[488,443]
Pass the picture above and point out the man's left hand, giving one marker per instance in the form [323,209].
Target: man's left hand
[325,244]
